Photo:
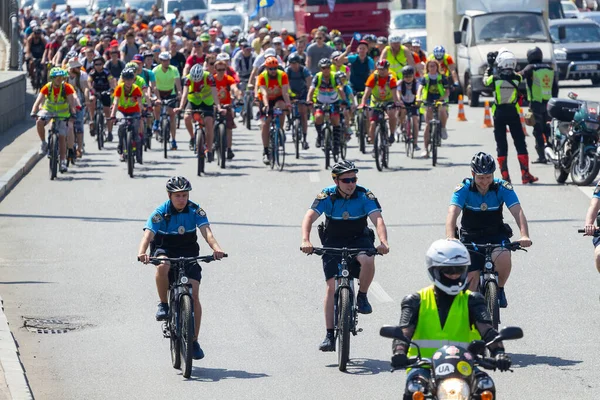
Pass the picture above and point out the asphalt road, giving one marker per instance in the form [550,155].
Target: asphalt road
[69,249]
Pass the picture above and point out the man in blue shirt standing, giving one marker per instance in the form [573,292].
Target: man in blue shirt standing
[346,206]
[171,232]
[481,200]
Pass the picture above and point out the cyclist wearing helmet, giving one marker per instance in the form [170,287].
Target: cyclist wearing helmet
[171,232]
[168,84]
[382,42]
[506,112]
[462,314]
[481,199]
[374,52]
[273,92]
[433,87]
[128,101]
[420,56]
[300,80]
[316,52]
[102,84]
[381,90]
[447,65]
[35,46]
[200,94]
[346,206]
[348,111]
[397,55]
[326,89]
[225,85]
[79,80]
[338,44]
[258,67]
[55,98]
[242,64]
[408,89]
[337,64]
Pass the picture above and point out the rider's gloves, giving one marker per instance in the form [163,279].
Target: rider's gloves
[503,362]
[399,360]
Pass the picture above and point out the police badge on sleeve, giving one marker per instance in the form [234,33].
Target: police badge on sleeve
[201,212]
[156,218]
[371,196]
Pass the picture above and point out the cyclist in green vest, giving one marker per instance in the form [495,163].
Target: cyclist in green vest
[445,314]
[397,55]
[433,87]
[541,86]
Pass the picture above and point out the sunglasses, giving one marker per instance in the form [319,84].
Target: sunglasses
[221,70]
[348,180]
[272,69]
[98,65]
[212,63]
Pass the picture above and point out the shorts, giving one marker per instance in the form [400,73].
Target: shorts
[596,241]
[229,118]
[374,117]
[167,95]
[478,257]
[274,101]
[207,110]
[330,262]
[104,97]
[61,126]
[78,125]
[192,269]
[319,108]
[411,110]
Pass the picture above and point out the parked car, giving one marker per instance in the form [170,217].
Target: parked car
[403,22]
[570,9]
[577,49]
[592,15]
[145,5]
[81,9]
[96,5]
[46,5]
[226,5]
[188,8]
[229,19]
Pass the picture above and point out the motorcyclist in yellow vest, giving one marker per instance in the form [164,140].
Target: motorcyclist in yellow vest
[445,314]
[397,55]
[56,98]
[433,88]
[200,94]
[541,86]
[128,101]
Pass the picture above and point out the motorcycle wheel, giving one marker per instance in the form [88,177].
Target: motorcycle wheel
[583,176]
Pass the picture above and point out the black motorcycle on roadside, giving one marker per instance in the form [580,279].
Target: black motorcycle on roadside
[575,133]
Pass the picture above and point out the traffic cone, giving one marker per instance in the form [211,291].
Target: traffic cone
[461,109]
[523,124]
[487,118]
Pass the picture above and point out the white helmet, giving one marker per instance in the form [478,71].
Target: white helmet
[270,52]
[223,57]
[445,256]
[165,55]
[196,73]
[506,60]
[395,39]
[263,21]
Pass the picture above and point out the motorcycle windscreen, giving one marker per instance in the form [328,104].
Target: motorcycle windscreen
[592,120]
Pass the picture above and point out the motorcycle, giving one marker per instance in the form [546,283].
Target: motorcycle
[575,130]
[452,367]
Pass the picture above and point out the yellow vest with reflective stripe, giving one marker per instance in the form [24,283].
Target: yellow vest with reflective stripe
[444,61]
[396,62]
[204,95]
[429,334]
[57,105]
[378,94]
[127,101]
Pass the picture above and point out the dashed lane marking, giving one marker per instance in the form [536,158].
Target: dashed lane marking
[377,291]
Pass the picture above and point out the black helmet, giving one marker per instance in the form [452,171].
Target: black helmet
[324,63]
[342,167]
[128,73]
[408,71]
[535,55]
[483,163]
[178,184]
[294,58]
[382,40]
[99,58]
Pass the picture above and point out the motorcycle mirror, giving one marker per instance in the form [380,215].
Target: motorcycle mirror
[393,332]
[476,347]
[508,333]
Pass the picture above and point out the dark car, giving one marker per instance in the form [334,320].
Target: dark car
[577,49]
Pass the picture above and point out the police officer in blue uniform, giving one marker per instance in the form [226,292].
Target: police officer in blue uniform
[592,217]
[481,200]
[171,232]
[346,206]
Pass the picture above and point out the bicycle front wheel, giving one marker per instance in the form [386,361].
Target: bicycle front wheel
[434,140]
[377,144]
[248,114]
[187,334]
[280,150]
[200,151]
[343,328]
[174,337]
[166,131]
[491,300]
[297,129]
[130,152]
[360,122]
[327,146]
[98,128]
[222,148]
[53,152]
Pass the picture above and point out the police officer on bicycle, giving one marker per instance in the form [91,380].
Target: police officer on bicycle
[346,206]
[481,200]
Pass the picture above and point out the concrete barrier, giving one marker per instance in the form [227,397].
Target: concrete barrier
[12,98]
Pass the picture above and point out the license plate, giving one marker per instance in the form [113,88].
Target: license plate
[590,67]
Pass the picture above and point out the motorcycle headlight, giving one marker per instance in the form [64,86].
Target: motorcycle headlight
[560,55]
[453,389]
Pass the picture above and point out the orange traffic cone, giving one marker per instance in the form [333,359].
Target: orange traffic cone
[487,118]
[461,109]
[523,124]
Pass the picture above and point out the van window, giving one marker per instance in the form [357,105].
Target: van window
[509,28]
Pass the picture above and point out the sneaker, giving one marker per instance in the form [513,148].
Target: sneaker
[526,177]
[318,142]
[191,143]
[109,137]
[444,134]
[230,154]
[328,344]
[198,353]
[78,153]
[540,161]
[502,302]
[63,166]
[417,148]
[266,159]
[362,303]
[173,145]
[305,145]
[43,148]
[162,312]
[155,125]
[122,157]
[424,154]
[391,139]
[92,131]
[211,156]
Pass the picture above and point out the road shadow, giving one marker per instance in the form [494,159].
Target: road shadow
[219,173]
[526,360]
[394,169]
[84,171]
[24,282]
[136,175]
[200,374]
[73,178]
[295,171]
[461,145]
[140,168]
[153,162]
[365,366]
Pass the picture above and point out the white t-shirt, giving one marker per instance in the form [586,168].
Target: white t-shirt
[260,61]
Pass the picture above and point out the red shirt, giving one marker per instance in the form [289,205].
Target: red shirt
[193,60]
[69,90]
[136,93]
[274,91]
[224,88]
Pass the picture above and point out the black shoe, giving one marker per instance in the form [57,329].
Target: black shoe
[540,161]
[198,353]
[502,302]
[162,313]
[305,145]
[211,156]
[192,144]
[230,154]
[362,303]
[391,139]
[328,344]
[318,142]
[109,138]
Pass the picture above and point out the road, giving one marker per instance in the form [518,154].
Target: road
[69,253]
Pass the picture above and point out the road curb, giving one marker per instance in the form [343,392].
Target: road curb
[10,179]
[14,372]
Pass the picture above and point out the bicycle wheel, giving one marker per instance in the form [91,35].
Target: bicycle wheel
[335,148]
[166,131]
[491,300]
[178,120]
[53,151]
[187,334]
[377,148]
[174,336]
[98,128]
[248,114]
[327,146]
[280,150]
[343,149]
[297,129]
[343,328]
[408,139]
[148,137]
[130,152]
[222,149]
[360,121]
[200,147]
[433,141]
[272,146]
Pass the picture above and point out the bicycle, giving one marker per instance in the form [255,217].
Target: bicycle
[297,131]
[276,140]
[381,143]
[435,129]
[361,119]
[408,132]
[53,146]
[488,280]
[99,120]
[200,140]
[220,134]
[130,148]
[147,129]
[345,138]
[248,104]
[179,326]
[38,79]
[165,122]
[330,146]
[345,311]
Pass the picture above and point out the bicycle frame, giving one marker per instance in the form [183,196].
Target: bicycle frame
[344,280]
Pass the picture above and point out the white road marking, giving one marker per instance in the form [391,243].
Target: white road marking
[376,290]
[314,177]
[588,190]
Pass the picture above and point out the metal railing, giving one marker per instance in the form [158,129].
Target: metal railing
[9,24]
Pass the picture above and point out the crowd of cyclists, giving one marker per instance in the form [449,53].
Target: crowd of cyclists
[131,61]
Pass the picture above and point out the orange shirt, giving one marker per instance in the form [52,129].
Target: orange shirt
[224,88]
[136,93]
[381,82]
[274,91]
[69,90]
[443,68]
[288,40]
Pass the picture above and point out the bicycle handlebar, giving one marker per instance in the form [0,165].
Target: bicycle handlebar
[512,246]
[51,116]
[205,259]
[596,232]
[370,251]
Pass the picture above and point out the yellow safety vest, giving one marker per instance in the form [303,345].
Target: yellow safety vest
[379,94]
[397,62]
[204,95]
[57,105]
[127,101]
